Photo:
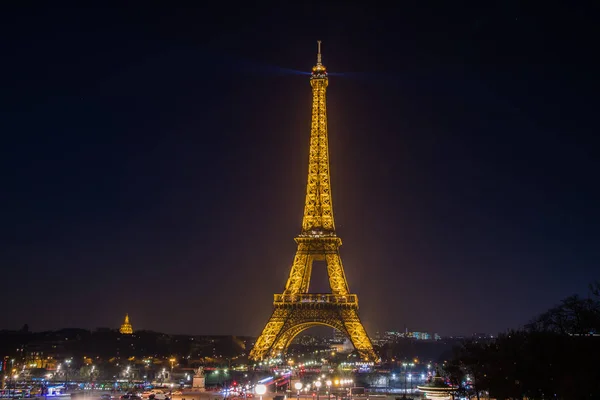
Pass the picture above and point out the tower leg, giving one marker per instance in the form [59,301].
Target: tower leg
[335,271]
[358,335]
[270,334]
[299,278]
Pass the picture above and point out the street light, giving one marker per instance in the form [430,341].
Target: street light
[15,377]
[298,387]
[68,362]
[172,361]
[410,376]
[405,365]
[12,370]
[318,385]
[260,389]
[328,383]
[92,383]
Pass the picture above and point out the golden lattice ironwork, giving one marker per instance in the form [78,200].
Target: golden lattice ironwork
[295,309]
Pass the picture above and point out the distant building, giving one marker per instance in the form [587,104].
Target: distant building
[395,336]
[482,336]
[392,336]
[345,346]
[126,328]
[338,336]
[421,335]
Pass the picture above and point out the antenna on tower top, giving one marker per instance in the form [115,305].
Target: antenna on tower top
[318,52]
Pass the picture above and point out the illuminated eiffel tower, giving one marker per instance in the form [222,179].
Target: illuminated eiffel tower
[295,309]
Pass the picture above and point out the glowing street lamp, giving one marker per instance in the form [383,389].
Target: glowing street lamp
[298,387]
[328,383]
[68,362]
[260,389]
[318,386]
[406,365]
[15,377]
[172,361]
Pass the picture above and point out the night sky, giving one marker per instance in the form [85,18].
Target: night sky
[154,162]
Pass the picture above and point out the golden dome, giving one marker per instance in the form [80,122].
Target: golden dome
[126,328]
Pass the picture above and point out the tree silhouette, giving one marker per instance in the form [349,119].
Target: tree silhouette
[553,357]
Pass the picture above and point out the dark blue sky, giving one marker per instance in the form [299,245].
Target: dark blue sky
[155,161]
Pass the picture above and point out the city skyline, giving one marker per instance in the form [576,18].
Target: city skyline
[323,332]
[157,165]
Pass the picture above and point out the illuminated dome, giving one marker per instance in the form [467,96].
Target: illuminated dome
[126,328]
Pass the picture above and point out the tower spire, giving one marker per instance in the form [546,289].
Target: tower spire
[318,52]
[318,206]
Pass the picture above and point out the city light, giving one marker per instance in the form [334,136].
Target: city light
[260,389]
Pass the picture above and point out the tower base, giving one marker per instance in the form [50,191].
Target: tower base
[296,313]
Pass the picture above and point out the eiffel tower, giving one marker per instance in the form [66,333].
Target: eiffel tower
[296,309]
